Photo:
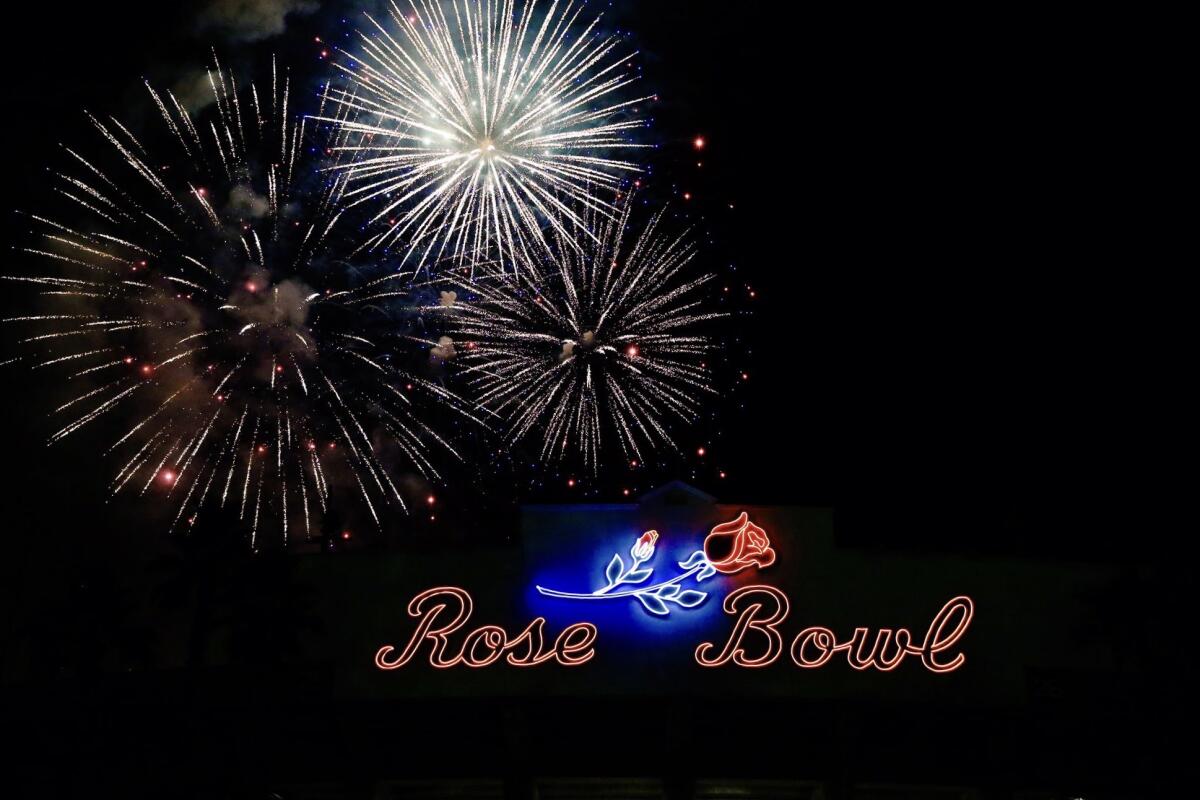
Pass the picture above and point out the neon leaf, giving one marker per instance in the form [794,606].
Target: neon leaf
[690,598]
[613,572]
[638,575]
[653,604]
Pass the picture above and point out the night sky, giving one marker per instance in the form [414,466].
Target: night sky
[899,347]
[900,206]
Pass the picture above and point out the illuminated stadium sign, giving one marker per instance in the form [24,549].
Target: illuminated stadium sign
[755,616]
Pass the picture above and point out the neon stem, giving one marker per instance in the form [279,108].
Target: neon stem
[627,593]
[621,578]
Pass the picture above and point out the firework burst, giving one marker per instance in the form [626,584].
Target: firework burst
[591,343]
[477,125]
[192,294]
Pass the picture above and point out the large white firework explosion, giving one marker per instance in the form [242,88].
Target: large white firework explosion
[591,343]
[187,289]
[478,125]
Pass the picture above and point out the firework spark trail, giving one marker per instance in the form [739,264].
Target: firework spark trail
[198,263]
[474,129]
[589,341]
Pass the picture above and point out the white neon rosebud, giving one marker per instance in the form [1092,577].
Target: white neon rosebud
[643,548]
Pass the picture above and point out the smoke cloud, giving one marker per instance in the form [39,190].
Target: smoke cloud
[444,350]
[245,202]
[252,20]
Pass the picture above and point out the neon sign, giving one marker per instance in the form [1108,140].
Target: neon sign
[442,611]
[745,545]
[754,640]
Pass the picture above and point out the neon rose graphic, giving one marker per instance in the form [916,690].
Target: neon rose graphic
[643,548]
[745,543]
[729,547]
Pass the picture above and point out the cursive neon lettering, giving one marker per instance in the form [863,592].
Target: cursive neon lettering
[427,607]
[442,611]
[937,640]
[820,639]
[532,638]
[574,645]
[754,639]
[761,609]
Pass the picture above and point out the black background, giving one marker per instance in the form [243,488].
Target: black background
[913,208]
[911,202]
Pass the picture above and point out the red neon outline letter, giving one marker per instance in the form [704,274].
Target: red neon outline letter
[937,641]
[417,608]
[747,620]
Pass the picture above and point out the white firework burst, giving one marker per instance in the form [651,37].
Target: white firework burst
[190,290]
[478,125]
[592,343]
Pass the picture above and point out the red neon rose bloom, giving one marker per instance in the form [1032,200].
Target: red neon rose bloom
[733,546]
[643,548]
